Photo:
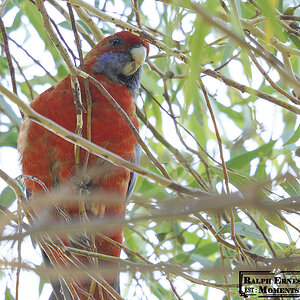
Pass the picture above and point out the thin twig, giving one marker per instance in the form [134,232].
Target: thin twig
[272,83]
[137,13]
[128,121]
[173,288]
[8,57]
[78,25]
[19,214]
[226,178]
[77,96]
[253,256]
[261,231]
[218,24]
[34,60]
[245,89]
[173,150]
[88,96]
[85,17]
[95,149]
[26,81]
[105,17]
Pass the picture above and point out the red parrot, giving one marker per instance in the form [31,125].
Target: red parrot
[116,62]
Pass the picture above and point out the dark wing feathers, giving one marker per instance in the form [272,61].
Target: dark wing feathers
[133,176]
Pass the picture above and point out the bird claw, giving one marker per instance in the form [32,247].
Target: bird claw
[81,241]
[82,183]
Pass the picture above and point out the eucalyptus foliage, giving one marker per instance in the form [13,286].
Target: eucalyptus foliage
[218,108]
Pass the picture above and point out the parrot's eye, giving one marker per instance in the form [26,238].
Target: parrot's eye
[115,42]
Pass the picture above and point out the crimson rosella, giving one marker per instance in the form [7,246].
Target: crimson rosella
[116,62]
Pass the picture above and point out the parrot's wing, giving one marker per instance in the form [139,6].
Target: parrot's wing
[131,185]
[59,288]
[60,291]
[133,176]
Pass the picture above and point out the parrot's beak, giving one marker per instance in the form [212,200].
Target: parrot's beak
[138,54]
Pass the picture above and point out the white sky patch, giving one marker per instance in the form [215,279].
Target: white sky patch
[10,16]
[188,22]
[237,108]
[254,163]
[229,128]
[250,145]
[178,35]
[270,169]
[163,257]
[271,117]
[210,38]
[278,235]
[236,71]
[180,96]
[11,166]
[280,158]
[167,245]
[192,228]
[188,247]
[217,90]
[149,10]
[285,168]
[201,234]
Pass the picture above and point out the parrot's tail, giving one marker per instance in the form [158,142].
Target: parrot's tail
[61,291]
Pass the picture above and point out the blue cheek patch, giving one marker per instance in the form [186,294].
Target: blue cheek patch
[112,65]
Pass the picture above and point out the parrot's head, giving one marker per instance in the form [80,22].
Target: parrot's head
[120,58]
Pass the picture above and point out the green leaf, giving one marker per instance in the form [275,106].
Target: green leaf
[8,295]
[294,138]
[245,60]
[291,185]
[4,106]
[196,59]
[291,10]
[236,179]
[161,236]
[269,11]
[242,229]
[237,117]
[207,250]
[196,296]
[7,197]
[204,261]
[9,138]
[36,20]
[4,69]
[41,285]
[227,53]
[65,24]
[235,19]
[242,162]
[273,218]
[294,39]
[17,22]
[258,248]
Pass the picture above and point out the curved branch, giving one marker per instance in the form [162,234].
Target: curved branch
[95,149]
[245,89]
